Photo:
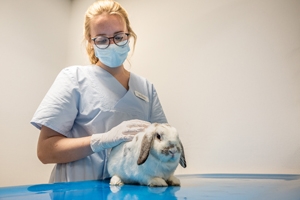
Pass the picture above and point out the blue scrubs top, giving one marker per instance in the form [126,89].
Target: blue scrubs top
[84,100]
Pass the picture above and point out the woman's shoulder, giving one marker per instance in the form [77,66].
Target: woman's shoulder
[139,79]
[80,71]
[141,83]
[78,68]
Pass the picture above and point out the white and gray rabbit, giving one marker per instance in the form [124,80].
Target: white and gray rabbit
[149,159]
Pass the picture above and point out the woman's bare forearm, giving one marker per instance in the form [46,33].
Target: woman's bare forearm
[56,148]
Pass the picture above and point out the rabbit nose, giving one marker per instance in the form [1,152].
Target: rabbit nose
[172,151]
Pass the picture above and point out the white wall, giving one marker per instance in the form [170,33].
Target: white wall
[34,47]
[227,73]
[76,49]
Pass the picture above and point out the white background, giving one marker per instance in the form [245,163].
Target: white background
[227,74]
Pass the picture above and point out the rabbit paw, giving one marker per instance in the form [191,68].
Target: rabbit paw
[157,182]
[115,180]
[173,181]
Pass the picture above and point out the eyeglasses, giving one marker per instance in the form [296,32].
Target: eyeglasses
[119,39]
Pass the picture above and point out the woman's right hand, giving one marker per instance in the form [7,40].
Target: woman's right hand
[120,133]
[54,147]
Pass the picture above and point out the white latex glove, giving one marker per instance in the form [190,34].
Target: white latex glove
[120,133]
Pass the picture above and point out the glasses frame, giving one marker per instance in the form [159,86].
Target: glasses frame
[109,38]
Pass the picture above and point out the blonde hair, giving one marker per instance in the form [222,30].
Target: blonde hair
[98,8]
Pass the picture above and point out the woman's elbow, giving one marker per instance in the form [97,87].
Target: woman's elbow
[43,157]
[46,145]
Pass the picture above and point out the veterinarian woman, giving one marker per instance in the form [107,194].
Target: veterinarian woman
[90,109]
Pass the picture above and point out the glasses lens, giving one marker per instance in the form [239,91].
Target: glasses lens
[121,39]
[101,42]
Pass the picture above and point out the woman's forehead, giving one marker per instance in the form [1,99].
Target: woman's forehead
[107,24]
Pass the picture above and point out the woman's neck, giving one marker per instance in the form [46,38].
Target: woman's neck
[120,73]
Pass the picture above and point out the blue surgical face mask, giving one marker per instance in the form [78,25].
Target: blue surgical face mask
[113,56]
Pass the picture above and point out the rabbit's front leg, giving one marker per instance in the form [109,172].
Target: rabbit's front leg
[157,182]
[173,181]
[115,180]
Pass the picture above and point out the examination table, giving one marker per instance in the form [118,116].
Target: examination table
[198,186]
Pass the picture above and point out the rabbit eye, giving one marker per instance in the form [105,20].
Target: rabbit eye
[158,136]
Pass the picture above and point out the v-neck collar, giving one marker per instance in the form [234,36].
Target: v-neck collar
[116,80]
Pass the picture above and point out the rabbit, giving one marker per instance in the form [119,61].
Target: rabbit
[149,159]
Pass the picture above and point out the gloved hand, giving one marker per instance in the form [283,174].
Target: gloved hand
[120,133]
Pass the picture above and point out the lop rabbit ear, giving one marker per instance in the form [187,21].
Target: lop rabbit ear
[145,147]
[182,157]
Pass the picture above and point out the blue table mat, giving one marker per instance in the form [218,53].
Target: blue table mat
[197,186]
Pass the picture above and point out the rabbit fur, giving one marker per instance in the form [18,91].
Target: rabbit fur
[149,159]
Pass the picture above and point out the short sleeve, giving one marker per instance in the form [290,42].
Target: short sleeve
[58,109]
[157,114]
